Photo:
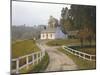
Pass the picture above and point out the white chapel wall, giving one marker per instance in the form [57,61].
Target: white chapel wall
[47,36]
[43,35]
[51,35]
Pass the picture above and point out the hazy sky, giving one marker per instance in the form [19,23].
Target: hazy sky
[34,13]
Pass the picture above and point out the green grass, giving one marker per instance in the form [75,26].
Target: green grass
[24,47]
[81,63]
[59,42]
[86,49]
[21,48]
[40,67]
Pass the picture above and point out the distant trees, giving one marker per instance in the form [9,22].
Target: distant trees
[25,32]
[81,18]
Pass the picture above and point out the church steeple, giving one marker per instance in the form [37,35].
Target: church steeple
[53,22]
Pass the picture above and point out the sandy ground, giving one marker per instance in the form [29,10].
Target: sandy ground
[58,60]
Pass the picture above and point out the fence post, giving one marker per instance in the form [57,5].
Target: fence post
[27,62]
[90,57]
[43,52]
[84,56]
[37,57]
[40,56]
[17,66]
[79,54]
[33,58]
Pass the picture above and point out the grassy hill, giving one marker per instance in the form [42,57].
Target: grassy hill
[24,47]
[75,45]
[60,42]
[20,48]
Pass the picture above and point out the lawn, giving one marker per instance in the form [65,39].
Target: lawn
[86,49]
[81,63]
[75,45]
[24,47]
[60,42]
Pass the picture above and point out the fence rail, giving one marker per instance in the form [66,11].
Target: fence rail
[36,57]
[80,54]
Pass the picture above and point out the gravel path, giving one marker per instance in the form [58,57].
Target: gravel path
[58,60]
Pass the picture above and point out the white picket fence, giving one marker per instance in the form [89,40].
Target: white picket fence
[36,57]
[80,54]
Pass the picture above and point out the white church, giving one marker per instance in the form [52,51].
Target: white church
[53,31]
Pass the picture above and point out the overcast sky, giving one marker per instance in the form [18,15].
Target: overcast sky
[34,13]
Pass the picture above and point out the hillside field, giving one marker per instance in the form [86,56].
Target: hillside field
[24,47]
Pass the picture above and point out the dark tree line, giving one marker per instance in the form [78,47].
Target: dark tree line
[81,18]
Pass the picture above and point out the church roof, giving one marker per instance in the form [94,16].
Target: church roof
[49,30]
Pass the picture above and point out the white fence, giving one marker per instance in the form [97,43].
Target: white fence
[35,57]
[80,54]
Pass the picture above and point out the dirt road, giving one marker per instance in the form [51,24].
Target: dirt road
[58,60]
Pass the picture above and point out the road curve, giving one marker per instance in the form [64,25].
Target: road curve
[58,60]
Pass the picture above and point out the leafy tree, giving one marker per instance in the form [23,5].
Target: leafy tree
[66,21]
[81,18]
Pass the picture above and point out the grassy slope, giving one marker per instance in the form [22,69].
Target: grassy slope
[23,47]
[59,42]
[89,50]
[82,64]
